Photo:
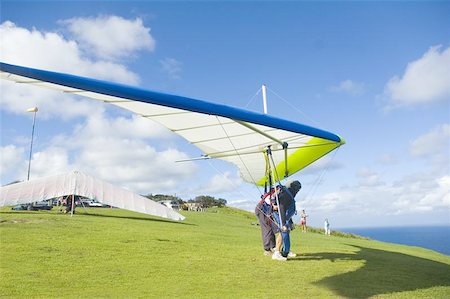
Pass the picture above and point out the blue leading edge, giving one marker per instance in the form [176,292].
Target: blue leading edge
[174,101]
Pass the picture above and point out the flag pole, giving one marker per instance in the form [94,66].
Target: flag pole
[34,109]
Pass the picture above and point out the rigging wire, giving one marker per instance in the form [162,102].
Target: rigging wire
[229,180]
[294,107]
[268,168]
[269,153]
[275,168]
[252,98]
[235,149]
[253,180]
[320,177]
[244,195]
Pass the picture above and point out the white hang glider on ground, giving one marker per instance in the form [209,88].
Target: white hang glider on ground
[264,148]
[81,184]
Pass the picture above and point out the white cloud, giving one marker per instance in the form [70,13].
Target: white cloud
[434,148]
[387,159]
[105,149]
[221,183]
[111,37]
[324,164]
[116,150]
[425,80]
[434,143]
[134,164]
[11,158]
[349,87]
[52,160]
[52,51]
[172,67]
[245,197]
[17,98]
[412,195]
[384,200]
[369,177]
[48,50]
[377,200]
[136,127]
[419,194]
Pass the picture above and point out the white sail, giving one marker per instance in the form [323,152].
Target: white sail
[78,183]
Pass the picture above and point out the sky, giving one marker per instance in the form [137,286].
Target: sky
[375,73]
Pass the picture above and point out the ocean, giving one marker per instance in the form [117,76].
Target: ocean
[436,238]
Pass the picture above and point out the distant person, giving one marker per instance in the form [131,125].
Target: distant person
[326,227]
[283,219]
[70,205]
[303,216]
[263,211]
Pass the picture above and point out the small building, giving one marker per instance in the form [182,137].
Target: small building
[195,206]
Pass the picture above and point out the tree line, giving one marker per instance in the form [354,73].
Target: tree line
[205,200]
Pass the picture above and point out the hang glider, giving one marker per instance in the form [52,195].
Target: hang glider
[219,131]
[81,184]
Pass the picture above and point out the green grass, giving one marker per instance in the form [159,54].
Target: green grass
[113,253]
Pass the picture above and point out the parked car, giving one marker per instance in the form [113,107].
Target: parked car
[95,204]
[20,208]
[41,205]
[89,203]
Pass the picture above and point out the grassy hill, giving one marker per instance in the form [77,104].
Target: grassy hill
[112,253]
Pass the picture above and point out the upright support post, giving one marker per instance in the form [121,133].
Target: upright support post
[263,88]
[73,207]
[285,147]
[272,178]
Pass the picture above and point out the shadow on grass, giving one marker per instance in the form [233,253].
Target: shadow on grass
[137,218]
[383,272]
[83,213]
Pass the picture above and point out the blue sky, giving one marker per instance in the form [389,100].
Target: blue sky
[376,73]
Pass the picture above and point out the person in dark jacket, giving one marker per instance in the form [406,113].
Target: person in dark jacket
[283,217]
[286,198]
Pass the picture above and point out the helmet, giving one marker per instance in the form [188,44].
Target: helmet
[294,186]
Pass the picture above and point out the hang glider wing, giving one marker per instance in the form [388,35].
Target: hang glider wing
[78,183]
[235,135]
